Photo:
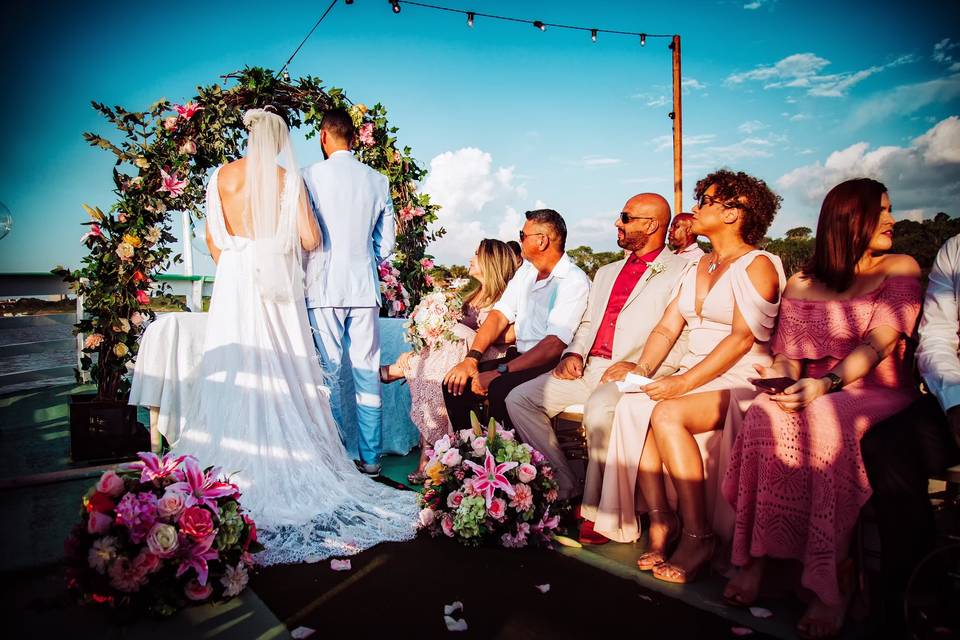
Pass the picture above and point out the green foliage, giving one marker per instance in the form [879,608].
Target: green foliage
[799,233]
[794,252]
[130,241]
[922,240]
[584,257]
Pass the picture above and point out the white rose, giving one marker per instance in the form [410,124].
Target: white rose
[427,516]
[162,540]
[479,445]
[451,458]
[441,445]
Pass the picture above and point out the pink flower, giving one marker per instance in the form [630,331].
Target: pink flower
[189,147]
[551,496]
[419,212]
[406,214]
[98,523]
[186,111]
[366,134]
[202,488]
[138,513]
[506,434]
[137,318]
[451,458]
[170,124]
[110,484]
[517,541]
[171,504]
[143,297]
[427,516]
[490,477]
[479,445]
[194,556]
[146,563]
[428,280]
[196,522]
[426,263]
[497,508]
[156,468]
[522,497]
[442,445]
[196,591]
[536,457]
[93,341]
[454,499]
[122,217]
[124,576]
[172,184]
[446,524]
[526,472]
[398,305]
[94,232]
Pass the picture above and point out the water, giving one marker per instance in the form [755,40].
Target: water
[22,329]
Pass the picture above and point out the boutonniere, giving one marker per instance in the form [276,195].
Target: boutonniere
[653,269]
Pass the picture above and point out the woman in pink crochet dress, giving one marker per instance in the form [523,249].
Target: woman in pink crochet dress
[685,423]
[796,477]
[493,265]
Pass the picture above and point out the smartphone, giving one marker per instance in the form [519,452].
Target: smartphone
[772,385]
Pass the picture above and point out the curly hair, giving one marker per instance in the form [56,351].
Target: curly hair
[752,196]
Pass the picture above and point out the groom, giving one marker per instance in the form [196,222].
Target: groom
[353,206]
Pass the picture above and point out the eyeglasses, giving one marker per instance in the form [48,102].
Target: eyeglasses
[527,235]
[625,217]
[710,200]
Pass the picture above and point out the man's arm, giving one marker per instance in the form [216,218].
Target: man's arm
[937,356]
[456,379]
[385,230]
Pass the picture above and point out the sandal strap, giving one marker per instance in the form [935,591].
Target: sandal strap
[705,535]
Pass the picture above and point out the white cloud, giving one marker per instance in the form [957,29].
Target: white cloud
[905,100]
[802,70]
[662,143]
[923,177]
[477,201]
[941,51]
[750,6]
[596,231]
[593,161]
[751,126]
[798,117]
[688,85]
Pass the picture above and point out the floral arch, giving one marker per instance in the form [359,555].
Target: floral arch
[162,161]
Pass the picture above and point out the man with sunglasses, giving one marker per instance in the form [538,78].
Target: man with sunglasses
[544,300]
[626,302]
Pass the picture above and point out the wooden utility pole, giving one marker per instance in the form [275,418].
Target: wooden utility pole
[677,116]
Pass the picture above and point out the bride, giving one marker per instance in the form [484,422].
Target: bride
[261,409]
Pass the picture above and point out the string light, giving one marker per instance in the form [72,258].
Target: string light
[593,35]
[470,18]
[643,39]
[396,5]
[286,76]
[539,25]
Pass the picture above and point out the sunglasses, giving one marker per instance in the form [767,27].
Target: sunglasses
[527,235]
[625,217]
[710,200]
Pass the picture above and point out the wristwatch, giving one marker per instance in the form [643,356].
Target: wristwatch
[502,368]
[473,353]
[836,382]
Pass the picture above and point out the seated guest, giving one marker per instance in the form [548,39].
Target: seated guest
[796,477]
[517,253]
[545,301]
[729,301]
[682,240]
[901,453]
[493,265]
[627,298]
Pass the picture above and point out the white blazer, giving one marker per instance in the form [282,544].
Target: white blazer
[353,206]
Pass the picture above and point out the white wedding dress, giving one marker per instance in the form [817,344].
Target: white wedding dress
[261,412]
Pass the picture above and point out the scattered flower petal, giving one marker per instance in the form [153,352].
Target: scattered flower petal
[340,565]
[543,588]
[453,607]
[760,612]
[302,632]
[644,597]
[455,625]
[568,542]
[741,631]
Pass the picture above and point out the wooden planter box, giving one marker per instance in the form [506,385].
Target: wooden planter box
[104,431]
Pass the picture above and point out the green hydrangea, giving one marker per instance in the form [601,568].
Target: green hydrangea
[512,451]
[231,526]
[469,516]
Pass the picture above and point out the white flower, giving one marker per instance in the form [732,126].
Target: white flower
[153,235]
[427,516]
[234,580]
[451,458]
[479,445]
[441,445]
[654,268]
[102,553]
[466,435]
[162,540]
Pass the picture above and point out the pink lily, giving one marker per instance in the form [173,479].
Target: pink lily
[490,477]
[93,233]
[172,184]
[202,488]
[186,111]
[195,556]
[156,468]
[547,523]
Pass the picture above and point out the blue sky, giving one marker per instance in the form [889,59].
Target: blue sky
[802,94]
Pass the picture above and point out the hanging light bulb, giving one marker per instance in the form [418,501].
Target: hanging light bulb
[539,25]
[643,39]
[470,16]
[593,34]
[347,1]
[286,76]
[396,5]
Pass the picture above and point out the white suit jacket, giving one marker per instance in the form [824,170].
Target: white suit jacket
[353,206]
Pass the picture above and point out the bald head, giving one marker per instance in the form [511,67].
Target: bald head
[646,228]
[681,236]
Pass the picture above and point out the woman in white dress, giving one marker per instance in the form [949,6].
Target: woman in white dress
[261,410]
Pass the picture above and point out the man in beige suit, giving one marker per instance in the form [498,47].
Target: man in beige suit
[626,301]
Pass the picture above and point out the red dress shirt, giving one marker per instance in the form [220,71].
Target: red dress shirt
[626,280]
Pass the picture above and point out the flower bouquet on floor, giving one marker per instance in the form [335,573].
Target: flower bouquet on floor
[160,534]
[483,486]
[433,320]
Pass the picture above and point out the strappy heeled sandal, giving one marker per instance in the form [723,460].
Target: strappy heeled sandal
[650,559]
[669,572]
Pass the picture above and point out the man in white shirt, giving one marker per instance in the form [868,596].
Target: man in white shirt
[682,240]
[353,206]
[545,301]
[901,453]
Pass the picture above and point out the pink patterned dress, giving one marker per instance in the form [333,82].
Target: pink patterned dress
[426,370]
[797,480]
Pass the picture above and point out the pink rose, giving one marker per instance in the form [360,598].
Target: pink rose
[428,280]
[110,484]
[507,434]
[171,504]
[454,499]
[479,445]
[536,457]
[146,562]
[196,522]
[189,147]
[137,318]
[526,472]
[170,124]
[426,263]
[451,458]
[497,509]
[466,435]
[143,297]
[98,523]
[446,524]
[197,592]
[93,341]
[366,134]
[427,516]
[397,305]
